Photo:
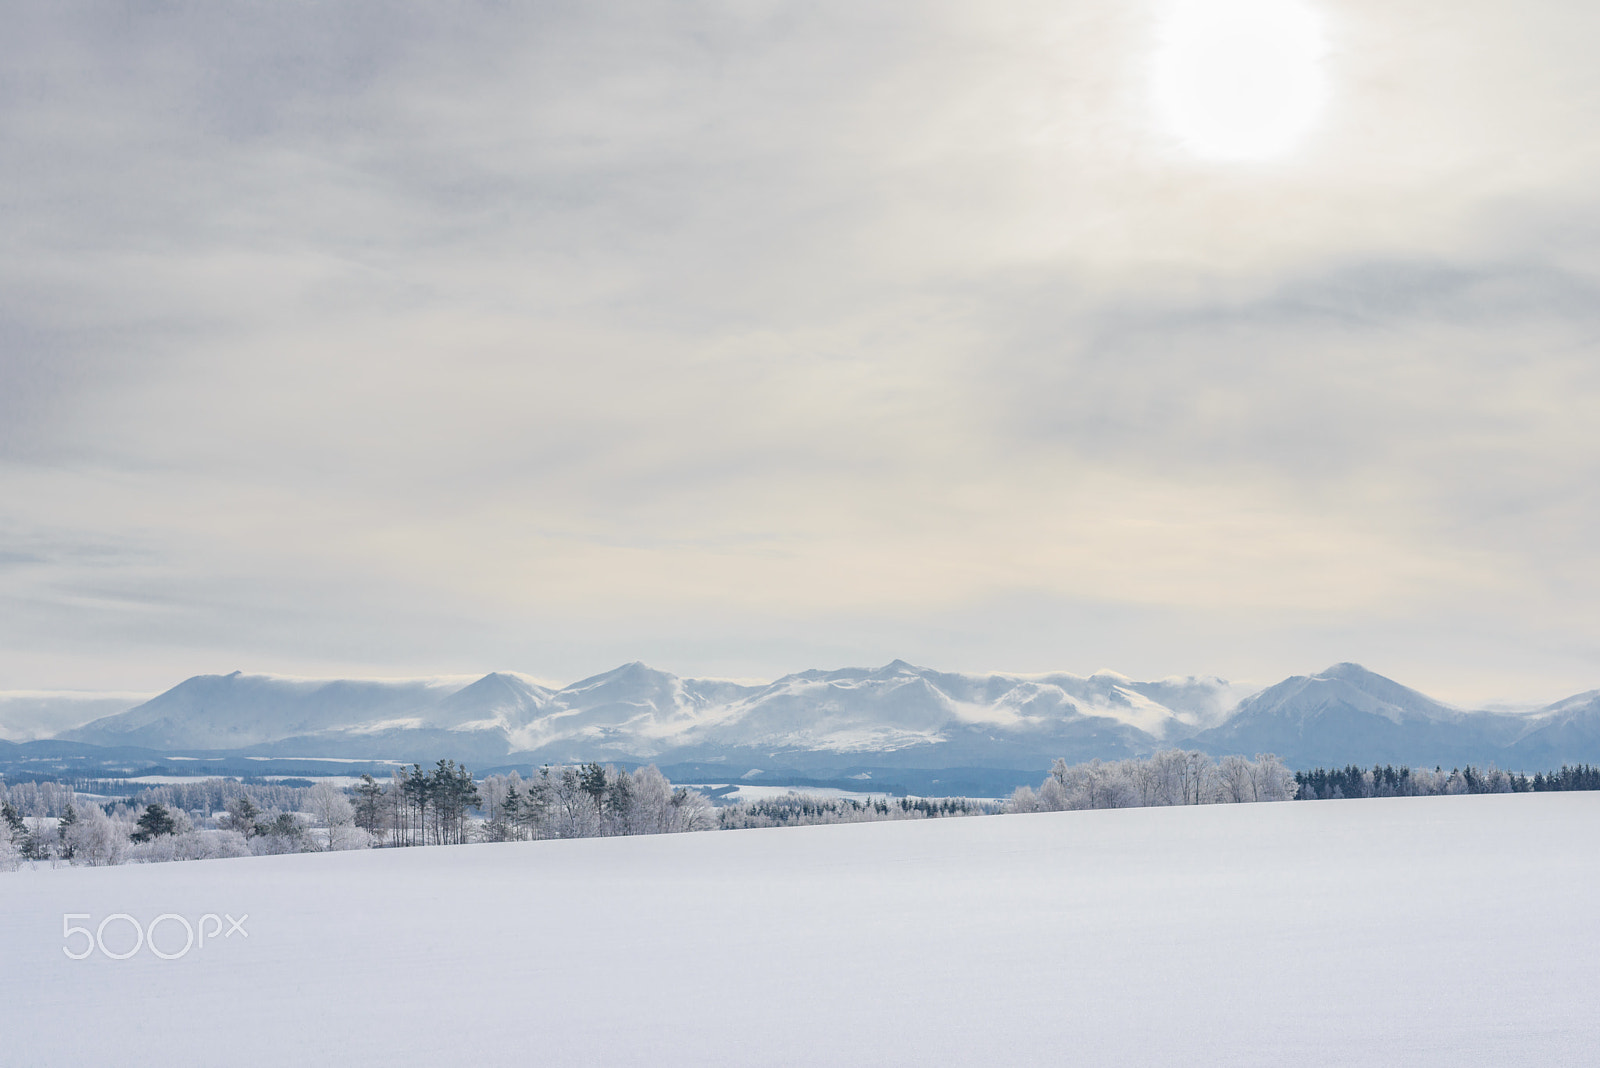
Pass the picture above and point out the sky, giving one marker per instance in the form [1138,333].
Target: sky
[746,337]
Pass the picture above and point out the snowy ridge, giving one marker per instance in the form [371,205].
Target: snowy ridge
[238,710]
[898,714]
[636,711]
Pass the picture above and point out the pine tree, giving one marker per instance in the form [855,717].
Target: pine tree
[13,818]
[242,813]
[369,805]
[501,826]
[63,832]
[619,801]
[463,796]
[539,805]
[592,780]
[155,822]
[417,789]
[287,825]
[22,839]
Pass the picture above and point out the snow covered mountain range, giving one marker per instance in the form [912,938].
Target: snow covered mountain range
[827,722]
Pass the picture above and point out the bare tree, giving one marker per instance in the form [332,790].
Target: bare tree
[96,839]
[331,808]
[10,851]
[1238,779]
[1023,799]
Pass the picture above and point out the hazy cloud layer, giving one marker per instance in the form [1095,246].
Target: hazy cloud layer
[747,336]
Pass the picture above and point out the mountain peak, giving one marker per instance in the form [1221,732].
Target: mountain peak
[517,678]
[1347,670]
[636,712]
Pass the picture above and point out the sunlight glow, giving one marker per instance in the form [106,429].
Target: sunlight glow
[1240,79]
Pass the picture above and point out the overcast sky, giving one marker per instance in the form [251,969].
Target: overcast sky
[752,336]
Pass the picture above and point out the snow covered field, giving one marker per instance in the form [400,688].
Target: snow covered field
[1413,931]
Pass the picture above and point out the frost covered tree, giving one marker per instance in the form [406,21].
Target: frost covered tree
[1091,785]
[331,809]
[1237,782]
[1024,799]
[284,833]
[653,808]
[536,814]
[575,814]
[589,801]
[242,816]
[1169,777]
[1272,779]
[97,840]
[17,833]
[10,854]
[800,810]
[502,807]
[1053,795]
[502,796]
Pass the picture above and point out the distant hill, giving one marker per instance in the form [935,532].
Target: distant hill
[1348,714]
[838,722]
[238,711]
[897,714]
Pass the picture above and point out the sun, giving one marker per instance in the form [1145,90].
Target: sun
[1240,79]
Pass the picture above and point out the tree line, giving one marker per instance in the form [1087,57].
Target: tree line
[1389,781]
[805,810]
[103,831]
[1170,777]
[417,807]
[447,805]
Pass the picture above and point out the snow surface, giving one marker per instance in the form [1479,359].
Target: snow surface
[1413,931]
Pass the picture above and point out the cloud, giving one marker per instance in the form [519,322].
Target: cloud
[406,337]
